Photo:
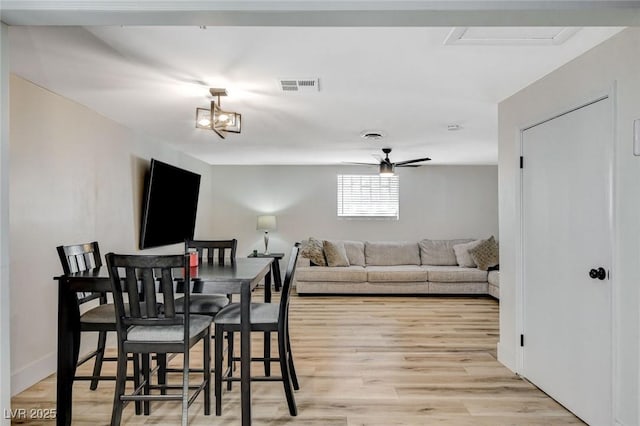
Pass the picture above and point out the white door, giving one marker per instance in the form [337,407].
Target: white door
[566,205]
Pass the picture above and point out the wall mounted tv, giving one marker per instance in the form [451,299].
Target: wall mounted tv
[170,204]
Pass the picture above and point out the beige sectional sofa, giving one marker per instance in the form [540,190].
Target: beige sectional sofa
[383,267]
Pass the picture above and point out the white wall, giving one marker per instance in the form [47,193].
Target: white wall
[5,329]
[435,202]
[75,177]
[616,60]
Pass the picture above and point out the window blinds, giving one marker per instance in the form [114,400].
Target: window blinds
[368,196]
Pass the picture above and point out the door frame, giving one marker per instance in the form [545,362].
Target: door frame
[591,98]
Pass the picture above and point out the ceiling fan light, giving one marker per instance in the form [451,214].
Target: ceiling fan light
[386,170]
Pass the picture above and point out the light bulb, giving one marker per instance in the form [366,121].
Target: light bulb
[204,122]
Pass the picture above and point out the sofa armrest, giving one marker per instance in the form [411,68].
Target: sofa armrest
[303,261]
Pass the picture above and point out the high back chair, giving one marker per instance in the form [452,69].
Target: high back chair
[265,317]
[101,318]
[159,330]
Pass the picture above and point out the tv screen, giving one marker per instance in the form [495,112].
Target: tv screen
[170,204]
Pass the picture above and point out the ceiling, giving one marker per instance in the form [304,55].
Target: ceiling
[408,82]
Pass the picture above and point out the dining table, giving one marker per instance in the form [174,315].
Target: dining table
[241,277]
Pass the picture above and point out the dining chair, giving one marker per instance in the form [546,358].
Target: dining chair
[101,318]
[265,317]
[159,330]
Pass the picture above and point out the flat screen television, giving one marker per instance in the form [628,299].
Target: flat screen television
[170,205]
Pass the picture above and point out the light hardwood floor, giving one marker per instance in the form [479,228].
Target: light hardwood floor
[371,361]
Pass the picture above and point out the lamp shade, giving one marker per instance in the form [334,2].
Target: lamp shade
[266,223]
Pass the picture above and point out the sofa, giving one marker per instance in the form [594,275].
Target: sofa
[394,267]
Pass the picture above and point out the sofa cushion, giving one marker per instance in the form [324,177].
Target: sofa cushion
[388,253]
[355,252]
[485,254]
[312,249]
[335,253]
[454,274]
[494,278]
[462,253]
[439,252]
[399,273]
[333,274]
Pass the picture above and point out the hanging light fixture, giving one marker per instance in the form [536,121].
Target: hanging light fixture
[217,119]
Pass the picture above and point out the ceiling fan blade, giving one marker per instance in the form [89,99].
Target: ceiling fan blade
[409,165]
[417,160]
[360,164]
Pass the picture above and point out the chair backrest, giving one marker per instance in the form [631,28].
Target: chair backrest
[147,277]
[288,281]
[223,248]
[79,257]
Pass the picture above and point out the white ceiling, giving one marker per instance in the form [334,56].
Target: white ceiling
[403,81]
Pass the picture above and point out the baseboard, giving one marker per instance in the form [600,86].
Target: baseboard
[31,374]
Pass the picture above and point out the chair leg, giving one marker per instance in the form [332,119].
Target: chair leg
[136,381]
[286,378]
[161,360]
[146,377]
[292,368]
[230,363]
[185,388]
[217,353]
[121,378]
[97,366]
[267,354]
[206,362]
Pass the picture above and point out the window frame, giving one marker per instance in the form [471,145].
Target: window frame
[368,183]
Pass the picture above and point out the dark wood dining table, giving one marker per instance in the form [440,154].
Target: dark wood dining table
[239,277]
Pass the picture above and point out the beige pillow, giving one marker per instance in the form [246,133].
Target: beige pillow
[335,253]
[462,253]
[485,254]
[355,252]
[439,252]
[313,251]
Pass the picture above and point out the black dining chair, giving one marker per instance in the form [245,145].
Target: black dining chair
[159,330]
[100,318]
[265,317]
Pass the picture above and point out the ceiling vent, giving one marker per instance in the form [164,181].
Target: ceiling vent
[510,36]
[300,84]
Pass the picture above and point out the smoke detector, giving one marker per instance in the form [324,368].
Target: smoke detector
[453,127]
[372,135]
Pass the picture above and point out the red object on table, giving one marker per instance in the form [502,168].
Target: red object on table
[193,259]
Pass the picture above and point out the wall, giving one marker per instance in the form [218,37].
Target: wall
[614,61]
[435,202]
[5,328]
[75,177]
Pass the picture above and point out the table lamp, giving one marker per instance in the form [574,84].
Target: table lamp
[266,224]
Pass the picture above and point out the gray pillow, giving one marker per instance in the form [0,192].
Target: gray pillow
[439,252]
[485,254]
[462,253]
[313,250]
[335,253]
[355,252]
[387,253]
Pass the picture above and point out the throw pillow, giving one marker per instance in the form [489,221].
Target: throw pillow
[335,253]
[355,252]
[313,251]
[462,253]
[485,254]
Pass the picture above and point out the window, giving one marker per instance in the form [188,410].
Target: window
[368,196]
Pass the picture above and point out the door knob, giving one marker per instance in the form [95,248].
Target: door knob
[599,273]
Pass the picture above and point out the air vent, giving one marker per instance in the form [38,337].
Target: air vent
[300,85]
[372,135]
[510,36]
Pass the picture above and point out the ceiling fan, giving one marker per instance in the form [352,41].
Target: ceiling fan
[387,167]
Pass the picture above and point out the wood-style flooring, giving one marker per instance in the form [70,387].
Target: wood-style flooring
[375,361]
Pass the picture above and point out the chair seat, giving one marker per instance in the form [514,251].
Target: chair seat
[261,313]
[206,304]
[168,333]
[106,313]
